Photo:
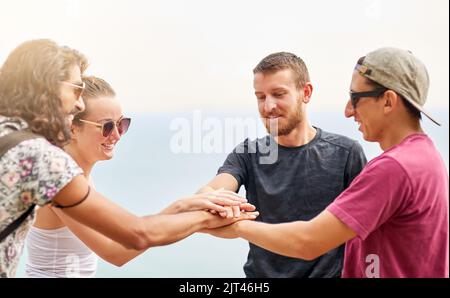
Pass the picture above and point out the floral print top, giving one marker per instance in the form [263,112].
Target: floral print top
[31,172]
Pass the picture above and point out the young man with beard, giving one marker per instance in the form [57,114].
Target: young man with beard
[312,167]
[393,218]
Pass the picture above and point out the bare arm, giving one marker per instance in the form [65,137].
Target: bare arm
[216,200]
[227,182]
[103,246]
[301,239]
[224,180]
[107,218]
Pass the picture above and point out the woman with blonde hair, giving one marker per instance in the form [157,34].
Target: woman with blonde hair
[40,93]
[53,249]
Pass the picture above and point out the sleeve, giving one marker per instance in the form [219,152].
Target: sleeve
[45,170]
[381,189]
[355,163]
[236,163]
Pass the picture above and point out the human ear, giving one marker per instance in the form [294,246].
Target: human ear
[74,131]
[307,92]
[391,101]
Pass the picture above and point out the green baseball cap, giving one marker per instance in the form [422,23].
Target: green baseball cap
[401,71]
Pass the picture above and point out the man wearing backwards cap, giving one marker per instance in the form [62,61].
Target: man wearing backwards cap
[394,215]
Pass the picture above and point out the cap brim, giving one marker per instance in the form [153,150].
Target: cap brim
[423,111]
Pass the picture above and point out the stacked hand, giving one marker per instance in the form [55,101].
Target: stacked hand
[223,206]
[223,202]
[223,227]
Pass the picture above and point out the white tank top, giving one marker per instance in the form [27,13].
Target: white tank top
[58,253]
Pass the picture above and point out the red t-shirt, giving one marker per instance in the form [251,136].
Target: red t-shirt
[398,206]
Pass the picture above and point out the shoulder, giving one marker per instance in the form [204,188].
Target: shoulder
[39,149]
[417,156]
[338,140]
[251,145]
[36,160]
[385,165]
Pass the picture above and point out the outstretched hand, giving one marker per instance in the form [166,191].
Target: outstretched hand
[227,203]
[216,223]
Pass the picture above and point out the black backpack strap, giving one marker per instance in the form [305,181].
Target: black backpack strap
[16,223]
[16,137]
[7,142]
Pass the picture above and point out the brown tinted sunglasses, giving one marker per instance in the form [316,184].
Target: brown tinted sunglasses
[107,127]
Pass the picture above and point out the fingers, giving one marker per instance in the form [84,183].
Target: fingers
[224,201]
[229,195]
[236,211]
[215,221]
[243,216]
[247,207]
[229,212]
[248,215]
[208,205]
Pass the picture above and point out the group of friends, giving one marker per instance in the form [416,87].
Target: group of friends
[319,210]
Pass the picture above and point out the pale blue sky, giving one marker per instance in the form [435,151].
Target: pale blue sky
[176,55]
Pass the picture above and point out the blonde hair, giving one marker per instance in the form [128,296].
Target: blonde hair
[95,88]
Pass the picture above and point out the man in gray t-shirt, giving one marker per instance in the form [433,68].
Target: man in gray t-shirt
[295,172]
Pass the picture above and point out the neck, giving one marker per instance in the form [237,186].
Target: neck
[84,164]
[299,136]
[398,132]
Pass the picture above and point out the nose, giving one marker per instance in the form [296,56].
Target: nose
[349,110]
[79,104]
[115,135]
[270,104]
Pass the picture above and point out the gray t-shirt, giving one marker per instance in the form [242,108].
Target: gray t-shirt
[299,185]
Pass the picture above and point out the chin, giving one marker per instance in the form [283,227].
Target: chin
[368,138]
[282,131]
[107,156]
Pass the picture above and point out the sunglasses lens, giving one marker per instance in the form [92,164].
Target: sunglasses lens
[124,124]
[78,91]
[108,128]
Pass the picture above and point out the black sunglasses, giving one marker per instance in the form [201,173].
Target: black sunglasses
[356,96]
[107,127]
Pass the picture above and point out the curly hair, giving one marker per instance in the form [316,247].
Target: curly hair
[30,86]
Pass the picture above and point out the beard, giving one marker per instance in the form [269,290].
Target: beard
[283,125]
